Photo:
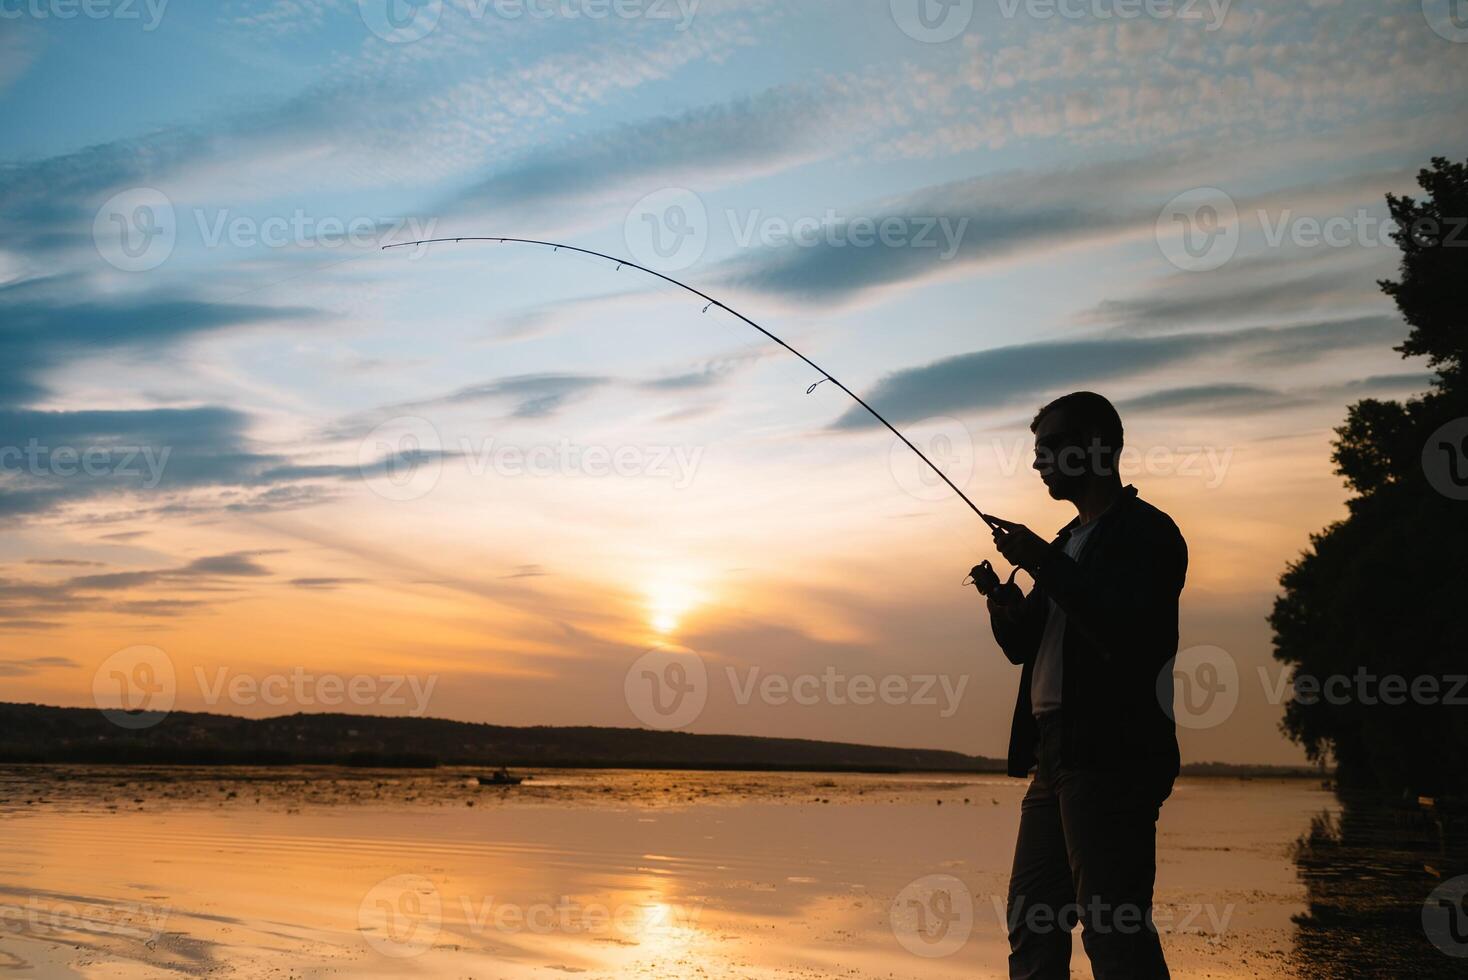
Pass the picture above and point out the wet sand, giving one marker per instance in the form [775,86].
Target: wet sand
[327,873]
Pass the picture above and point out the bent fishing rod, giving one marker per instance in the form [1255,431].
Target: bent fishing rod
[981,574]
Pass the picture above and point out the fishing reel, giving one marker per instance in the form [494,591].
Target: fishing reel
[986,580]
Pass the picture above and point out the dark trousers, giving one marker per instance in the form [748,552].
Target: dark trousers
[1087,854]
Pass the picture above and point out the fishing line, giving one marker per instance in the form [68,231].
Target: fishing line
[711,302]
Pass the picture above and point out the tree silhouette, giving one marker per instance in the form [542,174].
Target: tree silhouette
[1384,593]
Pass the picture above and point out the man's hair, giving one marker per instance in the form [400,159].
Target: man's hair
[1093,414]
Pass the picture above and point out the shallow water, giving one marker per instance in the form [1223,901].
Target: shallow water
[314,873]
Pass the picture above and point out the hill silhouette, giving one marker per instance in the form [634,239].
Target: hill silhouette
[40,733]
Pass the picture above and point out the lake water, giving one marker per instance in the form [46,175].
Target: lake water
[323,872]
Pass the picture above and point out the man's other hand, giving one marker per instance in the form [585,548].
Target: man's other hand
[1005,599]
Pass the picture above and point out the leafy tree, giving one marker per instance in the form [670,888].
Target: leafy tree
[1385,591]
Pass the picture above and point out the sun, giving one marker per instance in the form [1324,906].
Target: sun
[669,600]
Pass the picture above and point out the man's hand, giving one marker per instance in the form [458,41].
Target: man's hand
[1006,599]
[1019,545]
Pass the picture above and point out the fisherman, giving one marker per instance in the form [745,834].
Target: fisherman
[1093,723]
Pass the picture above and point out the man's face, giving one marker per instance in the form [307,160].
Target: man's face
[1061,456]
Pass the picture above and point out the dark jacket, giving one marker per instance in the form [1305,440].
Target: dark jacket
[1120,601]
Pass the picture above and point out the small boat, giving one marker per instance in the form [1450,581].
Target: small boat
[501,777]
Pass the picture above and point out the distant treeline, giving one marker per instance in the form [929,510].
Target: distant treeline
[38,733]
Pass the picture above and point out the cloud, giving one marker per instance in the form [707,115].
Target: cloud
[29,666]
[43,330]
[325,583]
[1005,376]
[1213,400]
[1249,289]
[936,232]
[530,396]
[1233,400]
[177,461]
[21,600]
[737,140]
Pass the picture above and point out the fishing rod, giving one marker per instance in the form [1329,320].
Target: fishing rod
[982,576]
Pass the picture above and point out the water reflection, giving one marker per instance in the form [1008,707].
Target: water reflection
[658,875]
[1368,869]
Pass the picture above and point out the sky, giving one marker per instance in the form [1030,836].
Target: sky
[250,462]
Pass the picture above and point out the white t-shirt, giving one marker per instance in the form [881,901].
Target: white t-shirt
[1045,682]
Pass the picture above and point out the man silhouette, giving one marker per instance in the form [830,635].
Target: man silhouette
[1093,717]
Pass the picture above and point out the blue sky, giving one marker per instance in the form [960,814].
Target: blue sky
[959,220]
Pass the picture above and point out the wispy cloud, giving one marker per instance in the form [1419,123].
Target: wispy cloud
[1024,373]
